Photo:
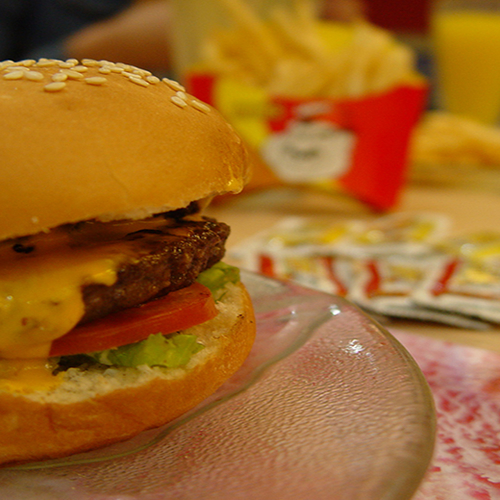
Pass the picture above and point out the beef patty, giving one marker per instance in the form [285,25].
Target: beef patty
[168,254]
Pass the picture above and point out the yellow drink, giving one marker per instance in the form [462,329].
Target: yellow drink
[467,48]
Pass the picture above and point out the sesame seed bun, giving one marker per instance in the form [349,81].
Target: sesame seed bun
[88,139]
[90,410]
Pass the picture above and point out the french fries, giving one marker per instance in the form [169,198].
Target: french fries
[287,55]
[447,139]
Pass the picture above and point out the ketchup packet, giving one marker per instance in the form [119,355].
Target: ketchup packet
[302,251]
[482,249]
[386,286]
[405,233]
[456,284]
[323,272]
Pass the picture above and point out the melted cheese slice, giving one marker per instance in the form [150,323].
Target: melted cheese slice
[41,299]
[41,292]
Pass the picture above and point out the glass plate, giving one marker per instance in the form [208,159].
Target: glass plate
[327,406]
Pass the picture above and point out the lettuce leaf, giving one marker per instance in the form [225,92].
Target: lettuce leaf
[173,351]
[217,277]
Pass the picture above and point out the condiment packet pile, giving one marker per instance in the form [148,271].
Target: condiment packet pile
[404,265]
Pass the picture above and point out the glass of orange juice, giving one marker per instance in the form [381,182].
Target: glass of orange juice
[466,41]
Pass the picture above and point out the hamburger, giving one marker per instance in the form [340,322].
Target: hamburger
[117,313]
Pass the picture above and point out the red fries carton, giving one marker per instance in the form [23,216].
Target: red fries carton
[358,145]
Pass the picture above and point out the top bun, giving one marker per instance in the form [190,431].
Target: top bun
[99,140]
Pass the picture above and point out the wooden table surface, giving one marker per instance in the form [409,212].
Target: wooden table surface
[469,210]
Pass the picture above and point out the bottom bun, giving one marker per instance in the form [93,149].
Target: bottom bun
[97,407]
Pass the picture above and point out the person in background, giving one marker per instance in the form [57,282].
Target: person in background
[118,30]
[131,31]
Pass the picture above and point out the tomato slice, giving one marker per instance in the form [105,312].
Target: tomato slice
[176,311]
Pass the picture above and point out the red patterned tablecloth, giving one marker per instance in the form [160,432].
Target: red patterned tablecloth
[465,383]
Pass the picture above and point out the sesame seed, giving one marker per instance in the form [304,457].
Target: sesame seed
[59,77]
[72,61]
[45,63]
[117,69]
[96,80]
[200,106]
[139,81]
[105,70]
[90,62]
[64,64]
[16,68]
[75,75]
[54,86]
[126,67]
[140,71]
[181,94]
[34,76]
[4,64]
[152,79]
[178,101]
[80,68]
[173,84]
[14,75]
[27,62]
